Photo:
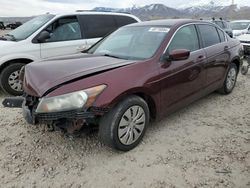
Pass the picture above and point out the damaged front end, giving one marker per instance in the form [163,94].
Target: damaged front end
[69,112]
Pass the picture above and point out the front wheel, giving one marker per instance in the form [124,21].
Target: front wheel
[124,126]
[9,79]
[230,80]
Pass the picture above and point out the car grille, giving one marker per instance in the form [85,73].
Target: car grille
[73,114]
[246,50]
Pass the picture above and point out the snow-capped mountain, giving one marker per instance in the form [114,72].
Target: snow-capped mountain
[156,11]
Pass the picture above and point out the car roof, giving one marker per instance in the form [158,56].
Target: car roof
[168,22]
[89,12]
[241,21]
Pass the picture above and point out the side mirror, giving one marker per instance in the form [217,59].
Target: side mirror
[43,36]
[177,55]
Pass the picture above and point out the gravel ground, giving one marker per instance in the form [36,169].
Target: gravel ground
[206,144]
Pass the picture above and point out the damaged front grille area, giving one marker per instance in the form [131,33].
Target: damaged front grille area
[73,114]
[246,49]
[31,101]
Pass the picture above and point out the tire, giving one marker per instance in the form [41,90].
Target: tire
[244,70]
[10,74]
[114,130]
[231,77]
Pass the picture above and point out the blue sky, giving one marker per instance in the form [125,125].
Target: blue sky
[35,7]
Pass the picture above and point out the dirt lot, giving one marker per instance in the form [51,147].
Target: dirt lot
[206,144]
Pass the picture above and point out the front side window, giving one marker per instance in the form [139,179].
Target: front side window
[138,42]
[64,29]
[185,38]
[209,35]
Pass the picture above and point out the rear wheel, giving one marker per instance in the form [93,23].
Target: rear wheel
[9,79]
[124,126]
[230,80]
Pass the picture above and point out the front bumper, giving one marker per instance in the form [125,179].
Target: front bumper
[246,47]
[30,115]
[36,118]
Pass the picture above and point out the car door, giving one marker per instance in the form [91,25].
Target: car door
[182,79]
[97,26]
[217,53]
[65,38]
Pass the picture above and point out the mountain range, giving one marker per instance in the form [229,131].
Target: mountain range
[160,11]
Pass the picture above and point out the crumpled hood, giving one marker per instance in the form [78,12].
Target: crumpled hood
[42,76]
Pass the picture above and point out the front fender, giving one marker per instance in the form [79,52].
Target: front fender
[8,58]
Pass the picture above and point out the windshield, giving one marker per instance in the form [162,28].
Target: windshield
[139,42]
[239,25]
[28,28]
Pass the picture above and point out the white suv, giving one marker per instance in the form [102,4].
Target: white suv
[49,36]
[240,27]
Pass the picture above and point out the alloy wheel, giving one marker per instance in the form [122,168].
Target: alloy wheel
[14,81]
[231,78]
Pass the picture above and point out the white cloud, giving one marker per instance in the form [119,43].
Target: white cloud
[36,7]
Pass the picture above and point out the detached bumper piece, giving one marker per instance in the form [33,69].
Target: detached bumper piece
[13,102]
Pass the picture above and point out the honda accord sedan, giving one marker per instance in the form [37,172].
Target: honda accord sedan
[139,72]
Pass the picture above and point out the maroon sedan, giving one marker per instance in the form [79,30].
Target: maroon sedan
[140,72]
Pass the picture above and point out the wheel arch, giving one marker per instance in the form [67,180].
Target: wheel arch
[144,95]
[17,60]
[237,62]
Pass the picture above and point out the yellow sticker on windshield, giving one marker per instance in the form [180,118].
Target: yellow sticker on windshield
[159,29]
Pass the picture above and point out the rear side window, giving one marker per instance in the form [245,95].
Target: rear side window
[220,23]
[96,26]
[221,34]
[185,38]
[209,35]
[124,20]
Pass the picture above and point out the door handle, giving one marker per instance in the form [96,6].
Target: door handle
[81,48]
[226,48]
[201,58]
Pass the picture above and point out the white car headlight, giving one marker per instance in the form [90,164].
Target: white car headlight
[71,101]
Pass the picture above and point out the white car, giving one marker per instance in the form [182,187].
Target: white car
[48,36]
[240,27]
[245,41]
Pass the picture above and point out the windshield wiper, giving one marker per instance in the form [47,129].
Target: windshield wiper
[109,55]
[12,36]
[114,56]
